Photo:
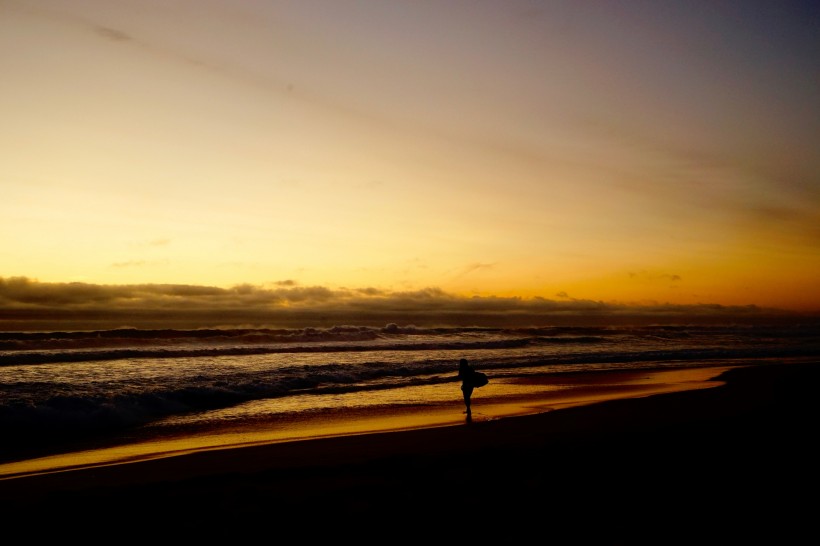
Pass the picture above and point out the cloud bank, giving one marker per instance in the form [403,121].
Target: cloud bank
[27,304]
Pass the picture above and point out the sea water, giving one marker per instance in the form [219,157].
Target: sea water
[64,388]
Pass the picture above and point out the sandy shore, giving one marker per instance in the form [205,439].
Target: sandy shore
[727,464]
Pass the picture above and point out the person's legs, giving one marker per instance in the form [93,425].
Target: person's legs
[468,392]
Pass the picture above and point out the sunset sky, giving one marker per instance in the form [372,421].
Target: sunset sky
[629,152]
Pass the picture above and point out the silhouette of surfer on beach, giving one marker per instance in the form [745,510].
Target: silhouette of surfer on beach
[470,379]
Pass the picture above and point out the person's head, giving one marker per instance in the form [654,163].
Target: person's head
[462,363]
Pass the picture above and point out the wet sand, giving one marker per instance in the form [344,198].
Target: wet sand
[730,463]
[505,398]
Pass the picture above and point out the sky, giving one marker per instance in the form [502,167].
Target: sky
[575,153]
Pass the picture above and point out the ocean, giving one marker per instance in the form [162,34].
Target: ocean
[64,391]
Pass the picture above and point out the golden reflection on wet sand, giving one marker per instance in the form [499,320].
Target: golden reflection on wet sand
[502,398]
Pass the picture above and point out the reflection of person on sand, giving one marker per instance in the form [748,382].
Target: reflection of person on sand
[470,379]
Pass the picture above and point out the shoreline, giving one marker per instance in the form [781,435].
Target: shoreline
[732,461]
[564,390]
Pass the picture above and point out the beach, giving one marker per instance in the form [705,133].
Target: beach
[477,273]
[729,463]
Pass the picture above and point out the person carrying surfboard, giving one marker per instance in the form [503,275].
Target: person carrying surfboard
[470,379]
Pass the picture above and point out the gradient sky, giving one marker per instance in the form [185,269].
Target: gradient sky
[633,152]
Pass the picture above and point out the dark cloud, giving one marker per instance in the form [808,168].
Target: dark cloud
[472,268]
[794,223]
[646,276]
[29,304]
[370,291]
[112,34]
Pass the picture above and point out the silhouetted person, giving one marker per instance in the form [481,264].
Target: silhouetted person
[465,373]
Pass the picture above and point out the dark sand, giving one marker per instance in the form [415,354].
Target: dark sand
[732,464]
